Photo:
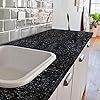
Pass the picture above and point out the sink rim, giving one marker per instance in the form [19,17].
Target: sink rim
[29,76]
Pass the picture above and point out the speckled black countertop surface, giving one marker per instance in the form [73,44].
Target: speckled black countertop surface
[67,45]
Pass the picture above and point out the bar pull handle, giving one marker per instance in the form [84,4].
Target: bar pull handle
[68,79]
[81,58]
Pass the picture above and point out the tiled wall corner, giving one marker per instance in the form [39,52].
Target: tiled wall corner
[35,21]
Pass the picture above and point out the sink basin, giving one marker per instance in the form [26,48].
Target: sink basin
[19,65]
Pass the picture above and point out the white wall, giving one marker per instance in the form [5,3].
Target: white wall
[59,14]
[86,15]
[60,9]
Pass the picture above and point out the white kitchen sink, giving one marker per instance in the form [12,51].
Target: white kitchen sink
[19,66]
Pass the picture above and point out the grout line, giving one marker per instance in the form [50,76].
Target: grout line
[27,27]
[15,25]
[9,36]
[3,25]
[7,19]
[23,8]
[4,4]
[10,13]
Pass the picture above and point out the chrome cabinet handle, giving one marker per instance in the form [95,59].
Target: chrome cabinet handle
[68,79]
[81,58]
[88,45]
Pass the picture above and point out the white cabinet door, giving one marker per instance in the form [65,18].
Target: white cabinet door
[64,88]
[54,95]
[80,75]
[76,83]
[84,69]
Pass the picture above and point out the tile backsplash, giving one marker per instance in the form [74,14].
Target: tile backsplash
[35,19]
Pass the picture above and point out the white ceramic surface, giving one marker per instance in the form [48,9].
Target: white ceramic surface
[19,65]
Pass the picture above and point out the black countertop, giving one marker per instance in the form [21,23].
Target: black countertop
[67,45]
